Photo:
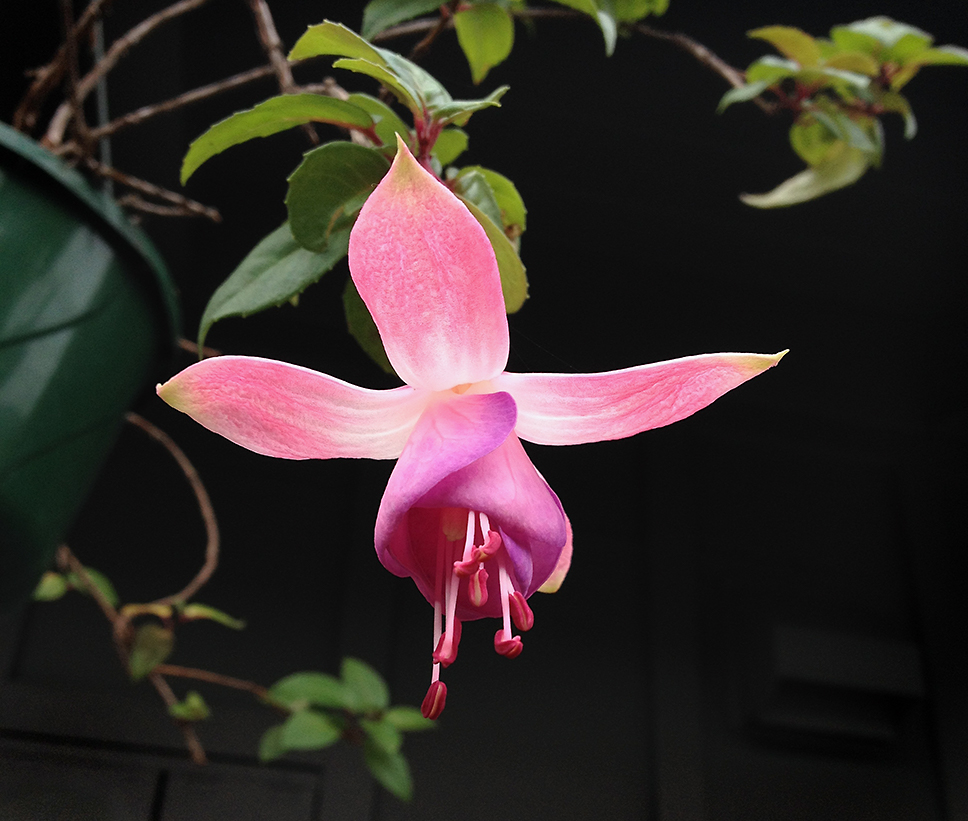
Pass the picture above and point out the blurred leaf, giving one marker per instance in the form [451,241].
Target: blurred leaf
[309,730]
[273,272]
[300,690]
[408,719]
[362,327]
[390,769]
[194,612]
[894,102]
[885,30]
[383,733]
[790,42]
[843,166]
[847,39]
[271,117]
[99,580]
[601,13]
[328,189]
[270,746]
[630,10]
[50,587]
[907,47]
[335,39]
[514,280]
[366,690]
[451,143]
[742,94]
[811,139]
[388,123]
[379,15]
[485,32]
[769,69]
[855,62]
[152,645]
[192,708]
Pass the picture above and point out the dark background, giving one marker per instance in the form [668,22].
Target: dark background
[766,613]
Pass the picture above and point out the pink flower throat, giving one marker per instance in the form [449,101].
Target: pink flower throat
[465,544]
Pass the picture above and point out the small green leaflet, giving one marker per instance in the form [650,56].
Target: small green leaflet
[485,32]
[379,15]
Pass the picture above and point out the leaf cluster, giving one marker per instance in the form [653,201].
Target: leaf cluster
[328,188]
[838,88]
[322,709]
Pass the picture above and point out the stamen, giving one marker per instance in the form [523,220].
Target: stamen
[433,703]
[507,645]
[446,650]
[477,587]
[521,612]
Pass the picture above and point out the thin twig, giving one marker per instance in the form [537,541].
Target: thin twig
[186,205]
[204,507]
[192,347]
[445,19]
[47,77]
[120,47]
[213,678]
[195,749]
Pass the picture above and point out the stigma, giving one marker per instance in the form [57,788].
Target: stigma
[469,550]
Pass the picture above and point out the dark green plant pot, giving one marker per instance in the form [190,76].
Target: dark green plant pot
[87,311]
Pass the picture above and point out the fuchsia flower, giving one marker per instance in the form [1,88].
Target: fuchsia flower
[465,514]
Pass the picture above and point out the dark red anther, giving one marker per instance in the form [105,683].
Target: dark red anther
[433,703]
[507,646]
[521,612]
[446,651]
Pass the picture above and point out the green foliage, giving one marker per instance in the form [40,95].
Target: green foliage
[610,14]
[50,587]
[838,88]
[272,273]
[356,707]
[196,612]
[152,645]
[362,327]
[53,585]
[485,32]
[271,117]
[379,15]
[192,708]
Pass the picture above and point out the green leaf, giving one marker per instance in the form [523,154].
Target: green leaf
[388,124]
[843,166]
[811,139]
[428,90]
[742,94]
[907,48]
[271,117]
[408,719]
[407,96]
[451,143]
[513,211]
[299,690]
[362,327]
[485,32]
[152,645]
[632,10]
[99,580]
[275,271]
[771,68]
[459,111]
[383,733]
[366,690]
[309,730]
[192,708]
[390,769]
[270,745]
[379,15]
[514,281]
[50,587]
[336,39]
[944,56]
[849,40]
[856,62]
[194,612]
[328,189]
[473,187]
[790,42]
[601,15]
[885,30]
[894,102]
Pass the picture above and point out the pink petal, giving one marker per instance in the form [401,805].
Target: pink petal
[289,412]
[570,409]
[554,581]
[426,271]
[452,433]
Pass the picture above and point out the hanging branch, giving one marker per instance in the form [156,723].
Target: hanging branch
[179,205]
